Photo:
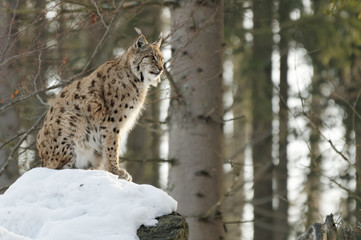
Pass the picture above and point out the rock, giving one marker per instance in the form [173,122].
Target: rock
[321,231]
[170,227]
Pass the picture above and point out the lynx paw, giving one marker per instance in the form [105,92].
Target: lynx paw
[123,174]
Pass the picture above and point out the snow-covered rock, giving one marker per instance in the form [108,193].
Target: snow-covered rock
[77,204]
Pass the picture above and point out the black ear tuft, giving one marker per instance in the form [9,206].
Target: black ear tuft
[138,31]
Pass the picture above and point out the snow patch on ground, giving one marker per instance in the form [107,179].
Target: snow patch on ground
[76,204]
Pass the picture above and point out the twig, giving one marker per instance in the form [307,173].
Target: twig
[331,144]
[11,139]
[35,78]
[24,97]
[10,30]
[28,53]
[210,211]
[352,108]
[313,125]
[351,193]
[160,160]
[172,83]
[238,222]
[235,118]
[10,158]
[70,79]
[107,27]
[100,15]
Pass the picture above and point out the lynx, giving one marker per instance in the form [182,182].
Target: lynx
[85,121]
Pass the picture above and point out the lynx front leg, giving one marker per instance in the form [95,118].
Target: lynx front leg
[111,153]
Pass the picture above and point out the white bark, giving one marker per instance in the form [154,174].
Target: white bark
[195,138]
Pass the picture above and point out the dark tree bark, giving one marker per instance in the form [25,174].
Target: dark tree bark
[313,185]
[262,119]
[354,95]
[281,171]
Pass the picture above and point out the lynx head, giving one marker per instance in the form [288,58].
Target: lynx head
[146,59]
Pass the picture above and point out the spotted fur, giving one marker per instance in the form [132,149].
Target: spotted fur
[83,125]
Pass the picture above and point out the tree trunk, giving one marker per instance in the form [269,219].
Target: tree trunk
[358,167]
[262,119]
[281,173]
[234,181]
[196,116]
[354,94]
[313,186]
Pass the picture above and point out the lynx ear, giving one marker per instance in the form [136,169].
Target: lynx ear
[140,43]
[158,42]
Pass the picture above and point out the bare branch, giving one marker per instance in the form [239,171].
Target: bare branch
[159,160]
[10,30]
[172,83]
[239,222]
[35,79]
[235,118]
[11,139]
[25,54]
[24,97]
[100,15]
[107,27]
[337,97]
[331,144]
[313,125]
[234,185]
[10,158]
[351,193]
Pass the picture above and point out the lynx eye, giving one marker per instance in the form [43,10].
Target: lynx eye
[153,58]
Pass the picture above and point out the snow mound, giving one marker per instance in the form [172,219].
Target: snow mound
[76,204]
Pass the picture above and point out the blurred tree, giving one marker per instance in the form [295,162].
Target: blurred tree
[332,36]
[262,116]
[313,185]
[281,170]
[317,23]
[355,94]
[196,115]
[143,143]
[235,144]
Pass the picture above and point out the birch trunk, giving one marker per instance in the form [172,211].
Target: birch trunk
[195,137]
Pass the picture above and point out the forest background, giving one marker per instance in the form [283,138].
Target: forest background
[256,127]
